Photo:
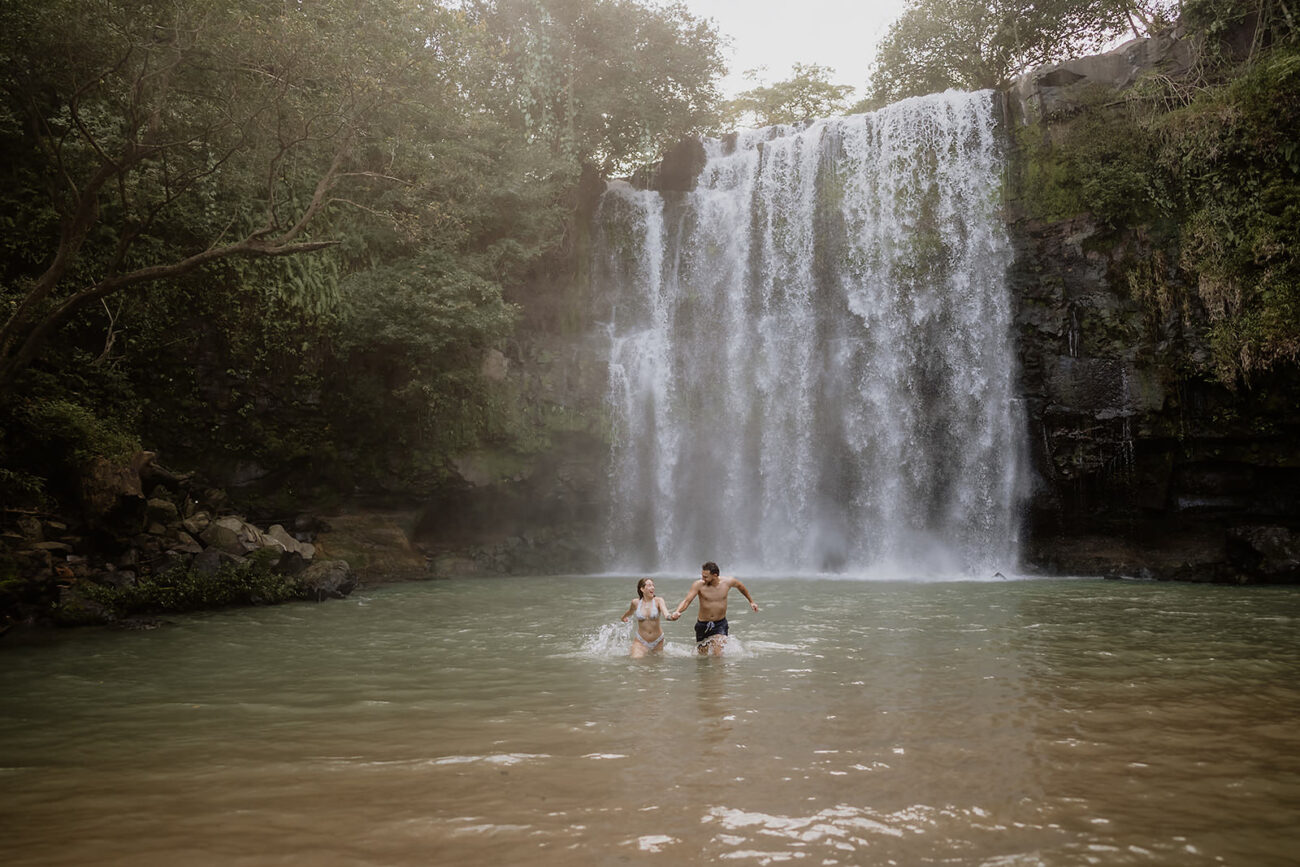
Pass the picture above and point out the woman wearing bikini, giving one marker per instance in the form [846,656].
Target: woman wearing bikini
[647,609]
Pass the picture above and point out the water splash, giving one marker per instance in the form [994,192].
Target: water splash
[614,641]
[810,357]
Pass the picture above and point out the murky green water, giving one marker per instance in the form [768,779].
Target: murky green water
[499,722]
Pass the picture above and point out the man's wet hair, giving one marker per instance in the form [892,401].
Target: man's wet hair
[711,568]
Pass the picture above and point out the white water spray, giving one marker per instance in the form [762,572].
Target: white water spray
[810,359]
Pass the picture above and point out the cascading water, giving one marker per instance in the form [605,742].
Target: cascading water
[810,358]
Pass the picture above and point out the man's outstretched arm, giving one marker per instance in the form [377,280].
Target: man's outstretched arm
[745,592]
[690,597]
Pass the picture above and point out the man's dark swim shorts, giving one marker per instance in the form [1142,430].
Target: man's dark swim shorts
[706,629]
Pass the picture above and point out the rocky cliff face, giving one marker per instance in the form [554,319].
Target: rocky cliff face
[1142,464]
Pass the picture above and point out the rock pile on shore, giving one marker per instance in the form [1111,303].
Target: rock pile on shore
[141,522]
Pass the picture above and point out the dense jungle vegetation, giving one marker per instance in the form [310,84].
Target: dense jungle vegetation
[284,236]
[1201,172]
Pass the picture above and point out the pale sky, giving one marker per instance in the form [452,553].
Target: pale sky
[841,34]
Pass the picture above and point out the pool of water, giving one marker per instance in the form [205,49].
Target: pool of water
[500,721]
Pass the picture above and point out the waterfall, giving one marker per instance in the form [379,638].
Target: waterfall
[811,367]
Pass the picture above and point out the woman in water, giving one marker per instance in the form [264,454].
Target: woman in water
[647,608]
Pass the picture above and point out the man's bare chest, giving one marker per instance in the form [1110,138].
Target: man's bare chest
[714,595]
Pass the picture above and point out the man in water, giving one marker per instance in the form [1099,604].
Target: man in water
[711,627]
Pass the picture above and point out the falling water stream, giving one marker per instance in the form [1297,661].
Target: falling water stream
[810,356]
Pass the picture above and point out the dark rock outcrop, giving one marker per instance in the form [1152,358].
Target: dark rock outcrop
[677,172]
[1265,554]
[1058,87]
[1141,463]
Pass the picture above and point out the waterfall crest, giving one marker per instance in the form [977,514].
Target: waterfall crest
[811,366]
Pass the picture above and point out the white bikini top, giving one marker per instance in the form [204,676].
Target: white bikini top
[640,610]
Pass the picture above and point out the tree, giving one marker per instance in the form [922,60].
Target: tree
[972,44]
[153,140]
[806,94]
[611,83]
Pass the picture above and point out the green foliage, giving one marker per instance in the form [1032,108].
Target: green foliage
[421,157]
[609,82]
[151,140]
[1206,171]
[1101,162]
[64,417]
[78,431]
[1235,153]
[412,338]
[940,44]
[807,94]
[1217,23]
[180,589]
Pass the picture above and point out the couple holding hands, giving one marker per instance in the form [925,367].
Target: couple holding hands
[710,628]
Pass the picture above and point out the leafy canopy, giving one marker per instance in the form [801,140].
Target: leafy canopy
[279,232]
[607,82]
[152,140]
[973,44]
[807,94]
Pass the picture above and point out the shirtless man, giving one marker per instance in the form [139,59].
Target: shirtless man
[711,627]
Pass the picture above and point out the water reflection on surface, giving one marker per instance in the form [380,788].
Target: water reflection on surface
[481,722]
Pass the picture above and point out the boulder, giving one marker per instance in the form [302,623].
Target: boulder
[77,609]
[111,493]
[30,528]
[196,523]
[224,534]
[280,536]
[158,511]
[290,564]
[253,538]
[234,535]
[154,475]
[327,579]
[186,543]
[1063,87]
[214,498]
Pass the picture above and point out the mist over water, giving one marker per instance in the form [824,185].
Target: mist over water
[810,358]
